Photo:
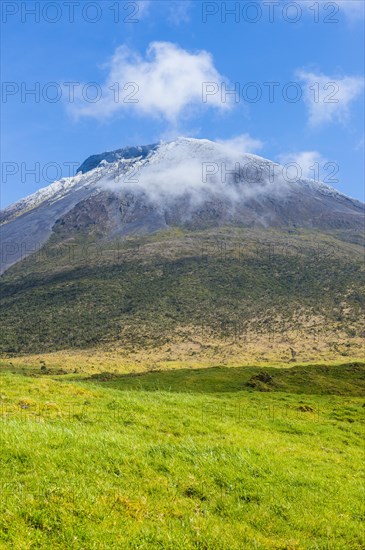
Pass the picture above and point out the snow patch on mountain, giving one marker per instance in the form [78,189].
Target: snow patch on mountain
[172,169]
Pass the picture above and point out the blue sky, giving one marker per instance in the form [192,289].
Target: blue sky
[168,54]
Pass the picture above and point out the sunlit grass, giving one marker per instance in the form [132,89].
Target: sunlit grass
[183,459]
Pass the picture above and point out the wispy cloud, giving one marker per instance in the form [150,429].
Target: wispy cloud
[242,143]
[304,164]
[165,83]
[197,171]
[143,8]
[179,11]
[360,145]
[175,12]
[352,9]
[328,99]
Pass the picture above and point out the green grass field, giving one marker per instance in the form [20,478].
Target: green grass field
[221,458]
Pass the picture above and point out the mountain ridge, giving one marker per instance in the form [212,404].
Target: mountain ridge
[187,182]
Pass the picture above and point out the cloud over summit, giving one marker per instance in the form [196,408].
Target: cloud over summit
[165,83]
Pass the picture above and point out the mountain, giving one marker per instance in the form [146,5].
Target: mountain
[185,183]
[188,251]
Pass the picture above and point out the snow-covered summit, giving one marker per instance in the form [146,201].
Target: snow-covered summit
[185,182]
[184,162]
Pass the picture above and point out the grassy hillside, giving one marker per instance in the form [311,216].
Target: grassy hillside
[187,459]
[199,295]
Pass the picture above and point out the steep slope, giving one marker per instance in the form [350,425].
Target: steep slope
[187,183]
[174,255]
[190,296]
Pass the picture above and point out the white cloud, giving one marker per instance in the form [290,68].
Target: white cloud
[199,170]
[328,99]
[166,83]
[305,164]
[242,143]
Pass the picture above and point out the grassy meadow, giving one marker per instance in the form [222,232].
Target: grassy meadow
[219,458]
